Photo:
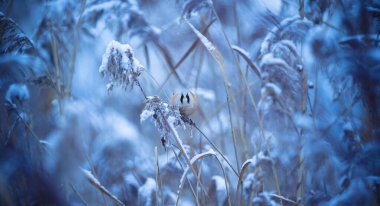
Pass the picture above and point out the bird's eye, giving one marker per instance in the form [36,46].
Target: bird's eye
[182,98]
[188,98]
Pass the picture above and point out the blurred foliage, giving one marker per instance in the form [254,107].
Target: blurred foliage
[288,99]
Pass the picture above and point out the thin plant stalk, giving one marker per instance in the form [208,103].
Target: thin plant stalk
[216,148]
[219,59]
[75,45]
[91,179]
[158,178]
[184,57]
[252,100]
[182,149]
[191,187]
[78,194]
[198,157]
[57,68]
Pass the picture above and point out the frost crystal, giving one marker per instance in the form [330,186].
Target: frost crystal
[119,66]
[163,115]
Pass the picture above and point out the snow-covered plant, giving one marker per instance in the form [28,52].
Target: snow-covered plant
[123,18]
[18,59]
[192,7]
[264,198]
[147,193]
[284,93]
[163,114]
[281,66]
[54,47]
[119,66]
[302,87]
[253,184]
[218,191]
[104,143]
[16,96]
[13,40]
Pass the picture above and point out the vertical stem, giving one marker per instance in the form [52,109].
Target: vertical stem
[75,45]
[253,102]
[57,68]
[146,52]
[216,148]
[183,151]
[141,89]
[219,59]
[188,181]
[158,179]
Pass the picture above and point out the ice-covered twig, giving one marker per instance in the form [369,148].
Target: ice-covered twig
[163,115]
[94,181]
[245,56]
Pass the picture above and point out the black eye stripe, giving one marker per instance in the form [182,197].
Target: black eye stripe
[182,98]
[188,98]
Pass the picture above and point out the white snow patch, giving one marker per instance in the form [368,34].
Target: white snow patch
[220,187]
[219,183]
[120,126]
[274,89]
[90,176]
[269,59]
[303,121]
[146,114]
[17,94]
[147,191]
[172,120]
[206,94]
[241,50]
[196,157]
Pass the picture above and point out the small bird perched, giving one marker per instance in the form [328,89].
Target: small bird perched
[187,103]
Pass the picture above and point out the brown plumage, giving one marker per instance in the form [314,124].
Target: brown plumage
[187,102]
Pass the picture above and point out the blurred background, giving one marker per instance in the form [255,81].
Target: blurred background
[287,114]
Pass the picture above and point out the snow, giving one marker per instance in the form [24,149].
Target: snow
[277,32]
[145,114]
[121,128]
[241,50]
[206,94]
[105,6]
[147,192]
[119,66]
[274,89]
[148,187]
[172,120]
[220,186]
[219,183]
[90,176]
[316,99]
[269,59]
[196,157]
[203,39]
[17,94]
[251,184]
[303,121]
[123,49]
[257,159]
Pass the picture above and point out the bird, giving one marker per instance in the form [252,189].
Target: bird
[187,102]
